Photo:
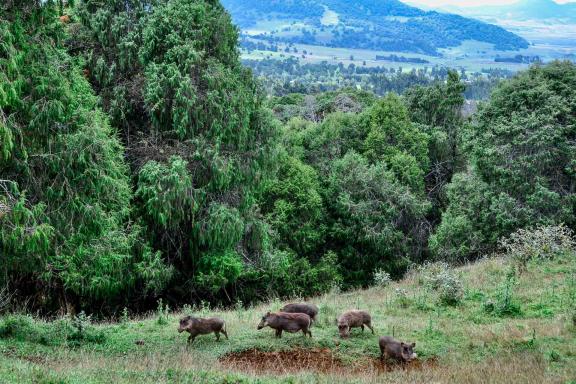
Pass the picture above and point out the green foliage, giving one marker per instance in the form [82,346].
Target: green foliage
[469,220]
[522,156]
[166,193]
[283,274]
[169,75]
[297,212]
[374,215]
[83,331]
[396,142]
[382,278]
[218,269]
[138,161]
[438,108]
[74,333]
[162,312]
[67,189]
[504,304]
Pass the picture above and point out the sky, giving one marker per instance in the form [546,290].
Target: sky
[471,3]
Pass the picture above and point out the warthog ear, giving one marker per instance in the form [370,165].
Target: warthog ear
[413,345]
[402,344]
[267,313]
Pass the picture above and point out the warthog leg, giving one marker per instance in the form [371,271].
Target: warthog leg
[370,326]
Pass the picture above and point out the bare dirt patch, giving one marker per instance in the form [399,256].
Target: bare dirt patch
[254,360]
[313,360]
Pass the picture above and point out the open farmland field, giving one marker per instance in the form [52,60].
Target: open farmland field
[472,56]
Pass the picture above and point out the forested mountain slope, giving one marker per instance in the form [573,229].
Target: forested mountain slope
[373,24]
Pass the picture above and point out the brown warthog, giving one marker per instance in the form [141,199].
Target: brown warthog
[353,319]
[289,322]
[197,326]
[309,309]
[397,350]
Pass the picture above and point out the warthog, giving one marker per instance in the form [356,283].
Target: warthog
[309,309]
[353,319]
[289,322]
[397,350]
[197,326]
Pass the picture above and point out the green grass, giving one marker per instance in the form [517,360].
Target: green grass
[537,344]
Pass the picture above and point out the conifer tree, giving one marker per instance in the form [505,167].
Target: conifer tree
[199,140]
[65,194]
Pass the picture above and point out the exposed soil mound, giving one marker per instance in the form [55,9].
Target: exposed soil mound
[314,360]
[254,360]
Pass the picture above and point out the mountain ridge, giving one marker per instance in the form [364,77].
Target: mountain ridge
[369,24]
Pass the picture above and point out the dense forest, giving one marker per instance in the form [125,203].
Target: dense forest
[139,159]
[282,77]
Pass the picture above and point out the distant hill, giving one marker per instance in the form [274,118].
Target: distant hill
[524,10]
[371,24]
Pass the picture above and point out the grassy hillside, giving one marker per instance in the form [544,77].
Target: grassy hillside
[525,336]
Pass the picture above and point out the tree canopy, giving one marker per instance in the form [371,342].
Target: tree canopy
[139,159]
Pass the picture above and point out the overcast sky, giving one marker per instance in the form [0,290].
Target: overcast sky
[468,3]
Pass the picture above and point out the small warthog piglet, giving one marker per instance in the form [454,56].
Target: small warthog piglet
[353,319]
[397,350]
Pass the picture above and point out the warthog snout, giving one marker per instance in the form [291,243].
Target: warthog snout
[344,331]
[184,324]
[262,324]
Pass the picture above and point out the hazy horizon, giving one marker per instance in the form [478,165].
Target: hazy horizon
[471,3]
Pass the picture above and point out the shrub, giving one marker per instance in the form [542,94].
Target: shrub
[450,291]
[382,278]
[124,317]
[84,331]
[543,242]
[162,310]
[441,278]
[20,327]
[25,328]
[504,304]
[402,297]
